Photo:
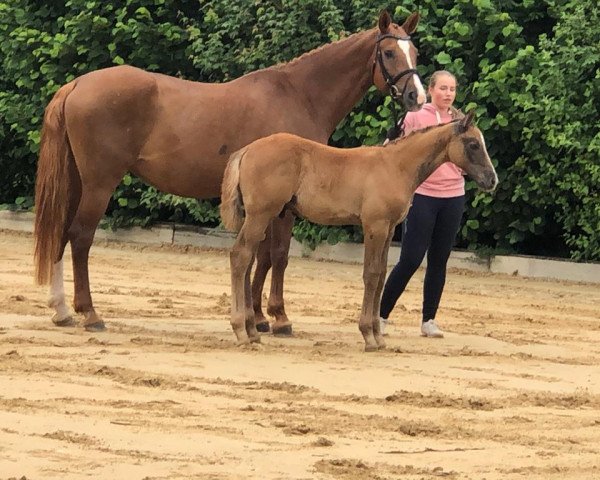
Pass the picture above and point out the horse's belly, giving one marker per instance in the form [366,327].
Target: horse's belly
[187,177]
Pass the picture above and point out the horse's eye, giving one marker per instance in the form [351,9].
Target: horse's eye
[474,146]
[389,54]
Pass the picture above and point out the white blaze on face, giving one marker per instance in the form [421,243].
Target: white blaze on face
[486,153]
[483,143]
[405,47]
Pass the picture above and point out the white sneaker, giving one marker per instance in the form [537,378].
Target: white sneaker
[430,329]
[382,324]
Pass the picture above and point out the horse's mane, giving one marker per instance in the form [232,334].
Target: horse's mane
[310,53]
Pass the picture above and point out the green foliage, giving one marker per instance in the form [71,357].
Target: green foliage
[558,171]
[313,235]
[529,69]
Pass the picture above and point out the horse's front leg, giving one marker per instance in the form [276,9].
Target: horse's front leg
[376,238]
[281,236]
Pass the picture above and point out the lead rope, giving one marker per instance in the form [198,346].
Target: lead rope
[397,130]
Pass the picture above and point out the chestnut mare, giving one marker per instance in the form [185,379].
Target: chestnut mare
[177,135]
[368,186]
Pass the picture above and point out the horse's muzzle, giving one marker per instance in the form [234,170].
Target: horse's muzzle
[411,100]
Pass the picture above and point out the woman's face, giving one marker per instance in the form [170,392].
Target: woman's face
[443,92]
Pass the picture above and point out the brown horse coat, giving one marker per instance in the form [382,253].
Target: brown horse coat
[178,134]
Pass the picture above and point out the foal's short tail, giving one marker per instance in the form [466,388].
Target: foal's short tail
[52,187]
[232,207]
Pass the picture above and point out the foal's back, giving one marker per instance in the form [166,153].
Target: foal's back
[324,184]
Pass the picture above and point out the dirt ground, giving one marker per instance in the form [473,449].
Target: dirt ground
[512,392]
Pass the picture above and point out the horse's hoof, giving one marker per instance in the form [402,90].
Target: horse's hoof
[381,346]
[284,331]
[254,339]
[95,327]
[263,327]
[63,322]
[371,348]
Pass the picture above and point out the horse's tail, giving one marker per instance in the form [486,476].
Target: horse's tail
[232,206]
[53,200]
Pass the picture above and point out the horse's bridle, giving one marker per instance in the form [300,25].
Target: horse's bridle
[389,80]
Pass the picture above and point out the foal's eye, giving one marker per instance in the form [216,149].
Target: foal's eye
[389,54]
[474,146]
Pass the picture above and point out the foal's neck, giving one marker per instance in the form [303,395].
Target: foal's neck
[333,78]
[420,153]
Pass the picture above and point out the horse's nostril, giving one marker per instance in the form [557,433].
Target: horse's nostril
[412,95]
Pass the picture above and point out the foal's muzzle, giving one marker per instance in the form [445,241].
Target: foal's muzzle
[489,182]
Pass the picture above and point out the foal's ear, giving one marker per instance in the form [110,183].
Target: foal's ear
[410,25]
[384,22]
[465,122]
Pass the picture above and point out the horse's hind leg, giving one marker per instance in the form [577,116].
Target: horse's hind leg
[281,237]
[62,317]
[263,265]
[92,206]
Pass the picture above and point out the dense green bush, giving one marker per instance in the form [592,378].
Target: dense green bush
[529,69]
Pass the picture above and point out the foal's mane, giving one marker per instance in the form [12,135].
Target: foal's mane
[418,132]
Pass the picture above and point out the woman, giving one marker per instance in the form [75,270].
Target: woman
[434,216]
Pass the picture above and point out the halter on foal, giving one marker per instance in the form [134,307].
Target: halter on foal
[177,135]
[368,186]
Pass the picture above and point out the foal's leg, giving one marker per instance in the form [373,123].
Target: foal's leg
[92,206]
[251,329]
[241,258]
[281,237]
[263,265]
[376,237]
[377,302]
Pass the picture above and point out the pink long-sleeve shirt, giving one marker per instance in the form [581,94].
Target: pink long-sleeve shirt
[447,180]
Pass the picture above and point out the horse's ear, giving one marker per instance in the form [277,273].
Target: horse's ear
[466,121]
[384,22]
[410,25]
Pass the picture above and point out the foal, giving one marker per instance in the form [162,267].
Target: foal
[368,186]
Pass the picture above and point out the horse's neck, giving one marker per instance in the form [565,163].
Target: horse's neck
[333,78]
[421,152]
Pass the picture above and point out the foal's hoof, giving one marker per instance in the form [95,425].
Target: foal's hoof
[372,348]
[68,321]
[95,327]
[283,331]
[263,327]
[254,339]
[241,336]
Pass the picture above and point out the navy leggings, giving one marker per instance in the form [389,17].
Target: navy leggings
[430,226]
